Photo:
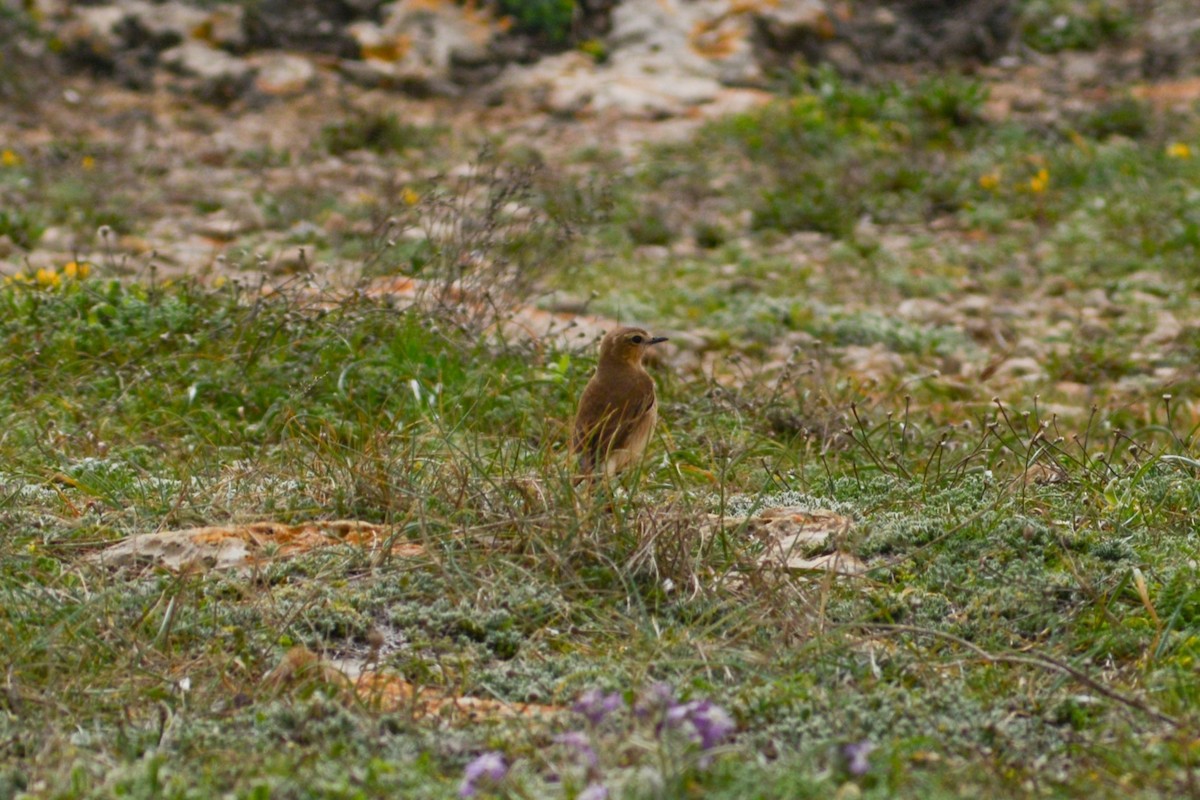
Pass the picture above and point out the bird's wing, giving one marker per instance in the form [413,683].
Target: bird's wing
[605,422]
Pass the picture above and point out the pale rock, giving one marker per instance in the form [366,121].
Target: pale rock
[1095,299]
[654,38]
[1081,68]
[1146,280]
[1023,368]
[198,60]
[103,28]
[1167,329]
[419,41]
[283,74]
[186,254]
[94,28]
[1137,297]
[1029,346]
[1135,385]
[634,91]
[1168,375]
[572,84]
[169,20]
[794,538]
[876,363]
[243,547]
[223,225]
[56,237]
[722,32]
[923,309]
[976,304]
[666,58]
[885,18]
[1074,390]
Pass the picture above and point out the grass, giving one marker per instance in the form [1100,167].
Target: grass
[859,268]
[1034,631]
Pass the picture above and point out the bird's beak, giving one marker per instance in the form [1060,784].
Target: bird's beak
[657,340]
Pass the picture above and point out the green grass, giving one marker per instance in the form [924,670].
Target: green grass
[142,407]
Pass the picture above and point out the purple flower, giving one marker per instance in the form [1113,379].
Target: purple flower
[593,791]
[857,758]
[487,769]
[596,705]
[710,724]
[581,744]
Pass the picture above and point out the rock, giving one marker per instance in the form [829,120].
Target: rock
[419,44]
[1082,68]
[1167,330]
[652,71]
[105,31]
[93,30]
[654,39]
[283,74]
[225,27]
[924,310]
[57,237]
[199,60]
[786,26]
[224,225]
[795,538]
[726,40]
[644,95]
[168,23]
[244,547]
[1023,368]
[665,59]
[220,77]
[875,363]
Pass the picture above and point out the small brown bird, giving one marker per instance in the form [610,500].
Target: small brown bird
[617,410]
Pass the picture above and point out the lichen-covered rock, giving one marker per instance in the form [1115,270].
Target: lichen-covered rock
[665,57]
[420,43]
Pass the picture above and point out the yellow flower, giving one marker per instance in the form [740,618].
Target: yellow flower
[48,277]
[77,269]
[1039,182]
[410,197]
[88,163]
[990,180]
[9,159]
[1178,150]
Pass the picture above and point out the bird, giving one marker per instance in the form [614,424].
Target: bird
[618,408]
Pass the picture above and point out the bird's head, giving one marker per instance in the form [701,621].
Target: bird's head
[627,345]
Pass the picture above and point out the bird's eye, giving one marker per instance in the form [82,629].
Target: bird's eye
[636,340]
